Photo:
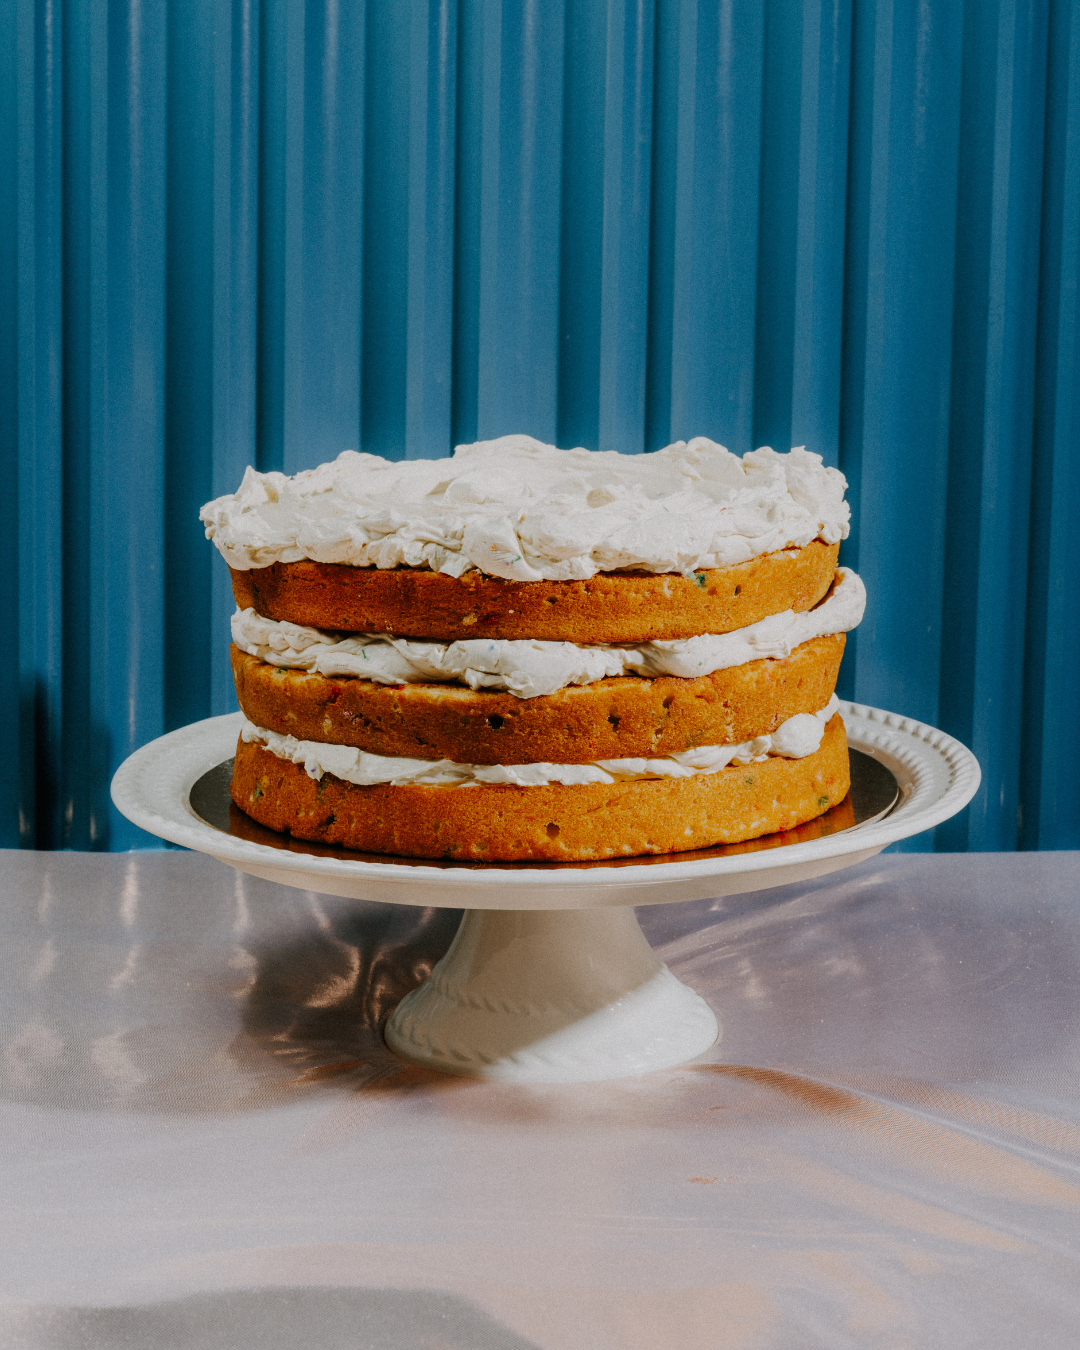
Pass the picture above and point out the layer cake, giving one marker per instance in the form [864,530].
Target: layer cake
[529,653]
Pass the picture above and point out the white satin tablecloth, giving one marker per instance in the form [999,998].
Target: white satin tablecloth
[203,1143]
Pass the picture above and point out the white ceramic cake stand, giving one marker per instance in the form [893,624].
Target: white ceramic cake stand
[550,978]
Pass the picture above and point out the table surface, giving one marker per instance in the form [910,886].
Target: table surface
[204,1144]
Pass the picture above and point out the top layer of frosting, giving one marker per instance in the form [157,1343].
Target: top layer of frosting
[518,509]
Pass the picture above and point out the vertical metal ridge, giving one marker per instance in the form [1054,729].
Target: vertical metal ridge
[468,141]
[324,252]
[895,392]
[520,192]
[659,346]
[581,227]
[1007,442]
[624,270]
[40,444]
[78,785]
[714,279]
[819,245]
[386,232]
[190,359]
[991,432]
[292,37]
[1049,786]
[235,295]
[430,269]
[127,403]
[854,316]
[13,785]
[781,206]
[274,112]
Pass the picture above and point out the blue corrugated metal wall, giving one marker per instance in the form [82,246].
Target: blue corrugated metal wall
[261,231]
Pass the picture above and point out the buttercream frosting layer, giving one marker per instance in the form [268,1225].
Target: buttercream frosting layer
[525,511]
[531,669]
[794,739]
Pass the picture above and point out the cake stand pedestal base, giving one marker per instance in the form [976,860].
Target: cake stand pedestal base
[551,996]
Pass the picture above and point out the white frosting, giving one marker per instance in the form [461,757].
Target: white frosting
[777,635]
[532,668]
[797,737]
[518,509]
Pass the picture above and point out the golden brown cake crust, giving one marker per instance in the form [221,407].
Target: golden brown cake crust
[610,607]
[496,823]
[610,719]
